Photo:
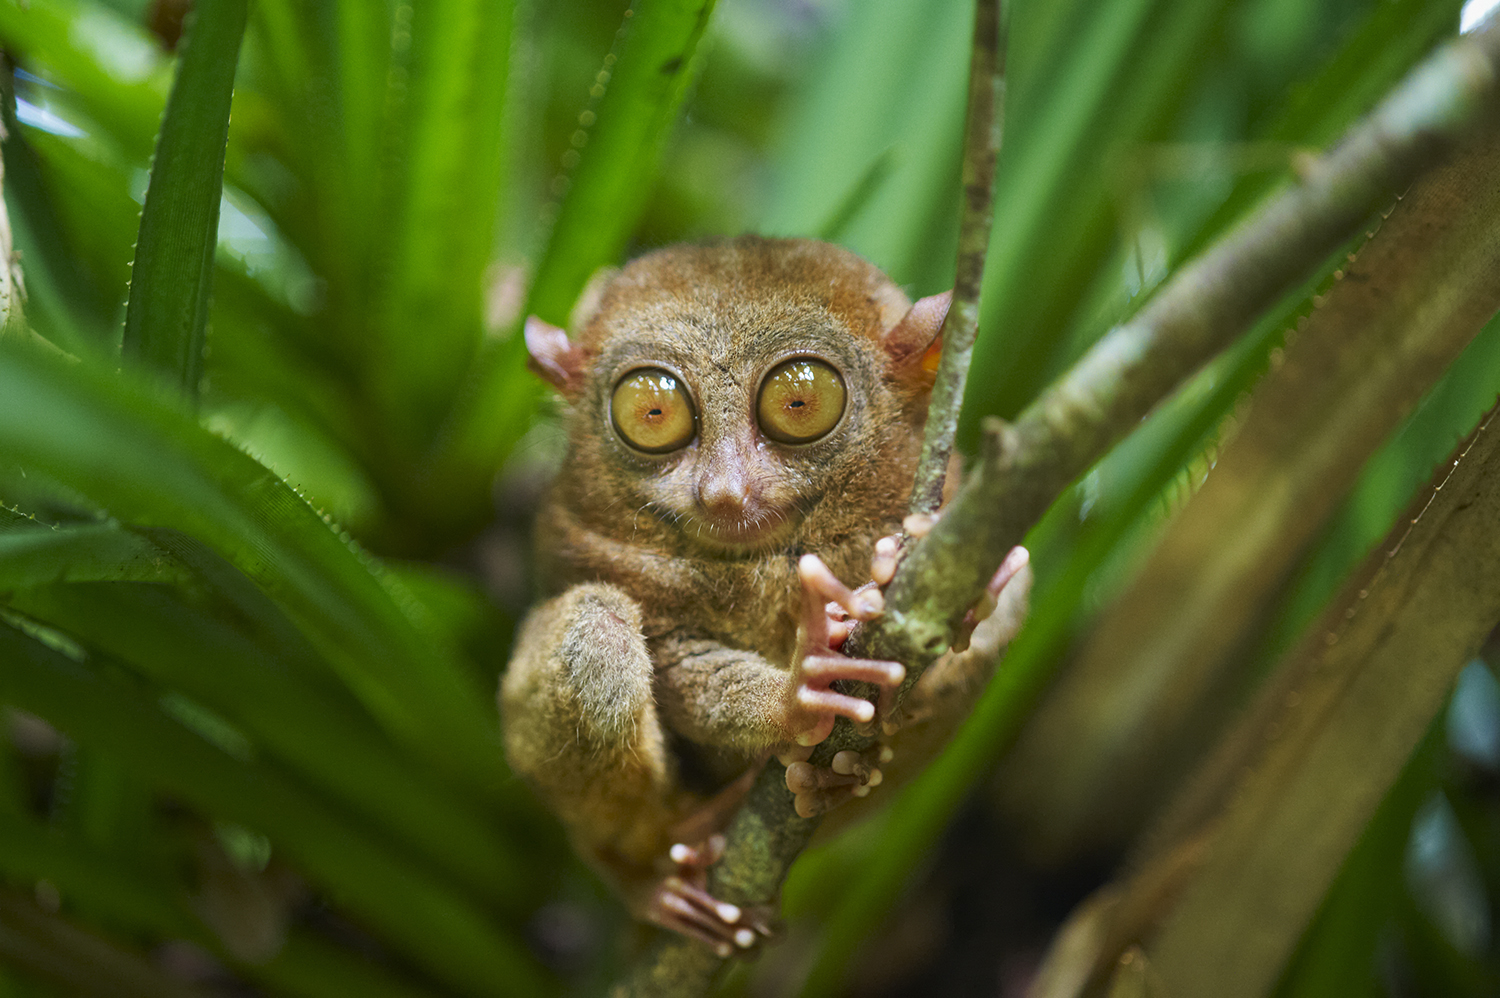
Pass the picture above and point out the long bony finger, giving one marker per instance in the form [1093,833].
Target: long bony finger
[818,580]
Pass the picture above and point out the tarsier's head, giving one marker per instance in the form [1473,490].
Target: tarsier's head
[723,393]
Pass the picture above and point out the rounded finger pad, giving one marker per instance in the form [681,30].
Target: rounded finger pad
[868,604]
[918,525]
[809,778]
[818,578]
[851,763]
[796,753]
[815,734]
[883,562]
[814,803]
[800,777]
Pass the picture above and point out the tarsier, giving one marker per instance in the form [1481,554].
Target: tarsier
[744,420]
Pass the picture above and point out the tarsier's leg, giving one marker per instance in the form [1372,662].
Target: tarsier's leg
[580,722]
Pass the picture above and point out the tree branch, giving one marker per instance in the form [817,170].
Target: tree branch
[1026,465]
[983,124]
[1094,763]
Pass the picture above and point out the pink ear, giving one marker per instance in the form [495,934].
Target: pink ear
[909,339]
[553,355]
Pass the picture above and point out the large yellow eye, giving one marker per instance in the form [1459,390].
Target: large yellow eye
[651,411]
[801,401]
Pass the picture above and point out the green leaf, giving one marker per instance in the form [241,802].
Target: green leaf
[1337,954]
[311,729]
[884,108]
[88,877]
[1124,73]
[637,96]
[133,452]
[36,555]
[108,68]
[167,312]
[444,198]
[455,941]
[62,303]
[643,85]
[1346,714]
[29,850]
[89,185]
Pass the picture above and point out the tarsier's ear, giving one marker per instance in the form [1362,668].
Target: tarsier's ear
[554,356]
[915,337]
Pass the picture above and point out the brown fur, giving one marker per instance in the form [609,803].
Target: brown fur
[629,548]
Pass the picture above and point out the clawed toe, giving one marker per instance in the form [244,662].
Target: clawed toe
[700,856]
[683,906]
[818,789]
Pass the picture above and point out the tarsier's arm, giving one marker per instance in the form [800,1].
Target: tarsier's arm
[581,725]
[716,695]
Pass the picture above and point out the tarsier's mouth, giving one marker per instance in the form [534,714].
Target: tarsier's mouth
[750,532]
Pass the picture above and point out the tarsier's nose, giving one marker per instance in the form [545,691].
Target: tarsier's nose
[725,489]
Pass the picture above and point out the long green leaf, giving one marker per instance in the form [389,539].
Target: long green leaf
[1125,75]
[61,302]
[167,313]
[1347,707]
[444,200]
[37,555]
[890,90]
[1410,303]
[455,941]
[87,876]
[74,960]
[643,85]
[296,720]
[29,850]
[109,69]
[135,453]
[641,89]
[90,187]
[329,79]
[1337,954]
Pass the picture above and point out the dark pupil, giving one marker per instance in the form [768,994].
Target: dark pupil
[654,412]
[798,403]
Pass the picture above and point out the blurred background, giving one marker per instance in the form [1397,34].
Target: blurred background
[249,754]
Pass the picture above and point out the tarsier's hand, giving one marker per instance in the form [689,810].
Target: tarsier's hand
[829,609]
[983,634]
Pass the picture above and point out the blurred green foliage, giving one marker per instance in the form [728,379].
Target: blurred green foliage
[248,641]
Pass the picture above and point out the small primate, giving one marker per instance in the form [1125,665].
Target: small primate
[744,420]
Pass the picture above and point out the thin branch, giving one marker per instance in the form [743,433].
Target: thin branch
[983,126]
[1415,294]
[1396,315]
[771,825]
[1026,465]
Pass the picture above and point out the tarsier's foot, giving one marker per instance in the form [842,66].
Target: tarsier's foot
[680,902]
[852,774]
